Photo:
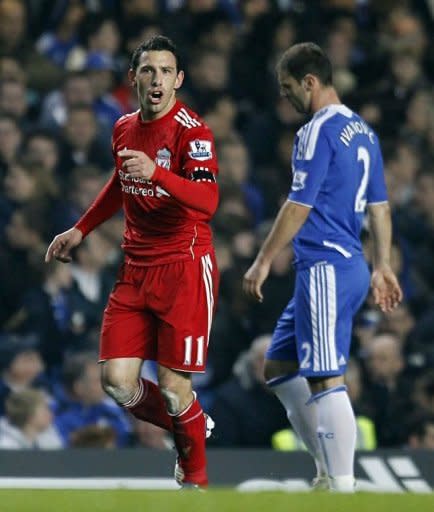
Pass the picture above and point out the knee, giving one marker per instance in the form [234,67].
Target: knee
[176,390]
[172,399]
[118,386]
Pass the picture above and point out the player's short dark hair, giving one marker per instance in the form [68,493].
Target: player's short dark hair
[304,58]
[157,43]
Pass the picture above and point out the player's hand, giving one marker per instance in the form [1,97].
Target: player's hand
[62,244]
[254,279]
[137,164]
[385,288]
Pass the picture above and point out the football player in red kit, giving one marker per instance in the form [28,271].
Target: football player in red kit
[163,301]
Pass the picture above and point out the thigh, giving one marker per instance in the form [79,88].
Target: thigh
[185,306]
[327,298]
[282,346]
[128,330]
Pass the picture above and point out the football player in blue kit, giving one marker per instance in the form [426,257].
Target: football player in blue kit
[338,174]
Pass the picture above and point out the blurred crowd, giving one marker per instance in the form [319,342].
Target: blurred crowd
[63,84]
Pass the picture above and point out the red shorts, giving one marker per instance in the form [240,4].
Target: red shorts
[162,313]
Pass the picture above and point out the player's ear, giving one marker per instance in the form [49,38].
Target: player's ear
[132,77]
[179,80]
[308,82]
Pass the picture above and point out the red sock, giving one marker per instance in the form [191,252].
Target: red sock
[189,434]
[148,405]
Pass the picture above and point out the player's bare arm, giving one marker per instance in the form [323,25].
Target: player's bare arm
[290,219]
[384,283]
[62,244]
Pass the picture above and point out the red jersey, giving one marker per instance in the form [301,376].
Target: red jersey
[167,217]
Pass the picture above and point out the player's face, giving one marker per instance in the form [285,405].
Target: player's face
[156,80]
[294,92]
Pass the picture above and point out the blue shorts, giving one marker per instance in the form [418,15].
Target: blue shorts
[315,327]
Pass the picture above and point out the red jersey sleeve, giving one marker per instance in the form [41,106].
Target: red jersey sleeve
[106,204]
[196,187]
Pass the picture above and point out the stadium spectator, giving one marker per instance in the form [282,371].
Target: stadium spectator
[11,137]
[423,392]
[100,68]
[82,402]
[76,90]
[25,233]
[20,365]
[238,400]
[57,42]
[421,432]
[94,436]
[235,172]
[41,149]
[47,312]
[209,77]
[15,43]
[91,284]
[99,34]
[388,388]
[82,143]
[14,101]
[28,423]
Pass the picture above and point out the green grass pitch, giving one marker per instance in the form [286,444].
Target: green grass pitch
[214,500]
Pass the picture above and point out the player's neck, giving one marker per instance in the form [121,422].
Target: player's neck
[325,97]
[148,116]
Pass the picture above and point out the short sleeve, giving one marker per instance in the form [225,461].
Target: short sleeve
[310,173]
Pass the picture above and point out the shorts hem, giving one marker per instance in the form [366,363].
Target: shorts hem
[184,370]
[171,366]
[307,374]
[103,359]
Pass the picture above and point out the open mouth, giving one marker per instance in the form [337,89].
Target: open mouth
[155,97]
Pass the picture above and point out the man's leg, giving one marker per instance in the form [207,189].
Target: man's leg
[189,424]
[332,295]
[182,298]
[337,431]
[142,398]
[282,376]
[294,393]
[128,336]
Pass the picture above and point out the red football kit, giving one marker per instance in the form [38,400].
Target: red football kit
[162,304]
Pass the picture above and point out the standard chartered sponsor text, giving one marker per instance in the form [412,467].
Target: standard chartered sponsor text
[133,189]
[124,176]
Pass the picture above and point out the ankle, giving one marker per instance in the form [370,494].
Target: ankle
[343,483]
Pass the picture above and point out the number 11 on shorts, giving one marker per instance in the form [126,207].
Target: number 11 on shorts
[189,348]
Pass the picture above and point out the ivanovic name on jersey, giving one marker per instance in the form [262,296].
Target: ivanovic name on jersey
[337,170]
[353,128]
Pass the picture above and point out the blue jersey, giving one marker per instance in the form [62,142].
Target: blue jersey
[337,171]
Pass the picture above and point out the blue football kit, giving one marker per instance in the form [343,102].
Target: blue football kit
[337,170]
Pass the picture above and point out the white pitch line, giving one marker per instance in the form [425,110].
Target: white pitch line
[88,483]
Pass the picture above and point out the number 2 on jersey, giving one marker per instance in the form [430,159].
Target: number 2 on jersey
[362,156]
